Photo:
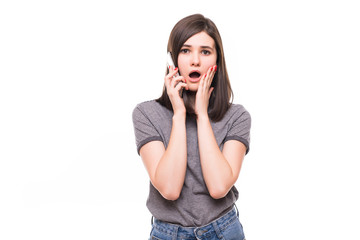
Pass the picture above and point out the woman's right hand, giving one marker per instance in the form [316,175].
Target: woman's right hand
[173,87]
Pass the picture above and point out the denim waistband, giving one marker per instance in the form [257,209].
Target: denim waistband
[177,231]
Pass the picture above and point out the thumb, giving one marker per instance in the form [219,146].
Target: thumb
[211,90]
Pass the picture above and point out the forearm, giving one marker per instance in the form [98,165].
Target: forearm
[217,172]
[171,169]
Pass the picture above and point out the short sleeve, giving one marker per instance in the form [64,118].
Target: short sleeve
[144,130]
[240,129]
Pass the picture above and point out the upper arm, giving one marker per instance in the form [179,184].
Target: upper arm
[236,143]
[144,128]
[148,140]
[234,152]
[151,154]
[240,129]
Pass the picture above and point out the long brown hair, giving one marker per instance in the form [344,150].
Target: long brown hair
[222,94]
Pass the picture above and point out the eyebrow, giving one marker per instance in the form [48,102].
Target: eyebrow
[186,45]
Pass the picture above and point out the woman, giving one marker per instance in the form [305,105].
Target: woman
[193,140]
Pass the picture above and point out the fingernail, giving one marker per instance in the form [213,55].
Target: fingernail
[175,69]
[205,75]
[211,68]
[215,68]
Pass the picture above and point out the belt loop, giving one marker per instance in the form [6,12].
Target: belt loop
[237,210]
[152,220]
[217,230]
[175,233]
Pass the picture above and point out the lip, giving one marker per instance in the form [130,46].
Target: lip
[194,80]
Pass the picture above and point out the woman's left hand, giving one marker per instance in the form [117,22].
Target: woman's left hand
[204,92]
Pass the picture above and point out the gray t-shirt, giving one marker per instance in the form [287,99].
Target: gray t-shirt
[194,207]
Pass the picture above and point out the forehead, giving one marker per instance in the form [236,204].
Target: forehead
[200,39]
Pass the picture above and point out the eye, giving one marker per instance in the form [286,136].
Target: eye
[205,52]
[184,50]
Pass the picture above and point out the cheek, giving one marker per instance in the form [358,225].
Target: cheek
[182,59]
[181,64]
[211,61]
[209,64]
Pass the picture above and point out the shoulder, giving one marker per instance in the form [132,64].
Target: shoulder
[151,109]
[148,106]
[239,123]
[237,111]
[237,107]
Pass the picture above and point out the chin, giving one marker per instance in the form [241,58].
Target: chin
[193,89]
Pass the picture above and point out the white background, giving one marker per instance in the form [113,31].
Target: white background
[72,71]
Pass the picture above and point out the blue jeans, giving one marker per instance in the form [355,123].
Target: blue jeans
[227,227]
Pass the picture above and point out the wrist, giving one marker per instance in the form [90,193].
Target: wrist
[179,116]
[202,117]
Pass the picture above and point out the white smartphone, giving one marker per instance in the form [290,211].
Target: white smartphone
[170,62]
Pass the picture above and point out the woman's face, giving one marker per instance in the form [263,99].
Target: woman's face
[195,58]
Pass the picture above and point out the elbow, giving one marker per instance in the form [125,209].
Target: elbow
[218,193]
[169,192]
[170,195]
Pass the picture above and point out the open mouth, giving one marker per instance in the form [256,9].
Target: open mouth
[194,76]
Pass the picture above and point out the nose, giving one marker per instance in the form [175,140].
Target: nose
[195,59]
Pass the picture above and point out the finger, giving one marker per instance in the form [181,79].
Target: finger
[213,71]
[205,79]
[167,82]
[169,77]
[207,82]
[210,91]
[211,75]
[172,72]
[176,80]
[202,83]
[181,85]
[210,70]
